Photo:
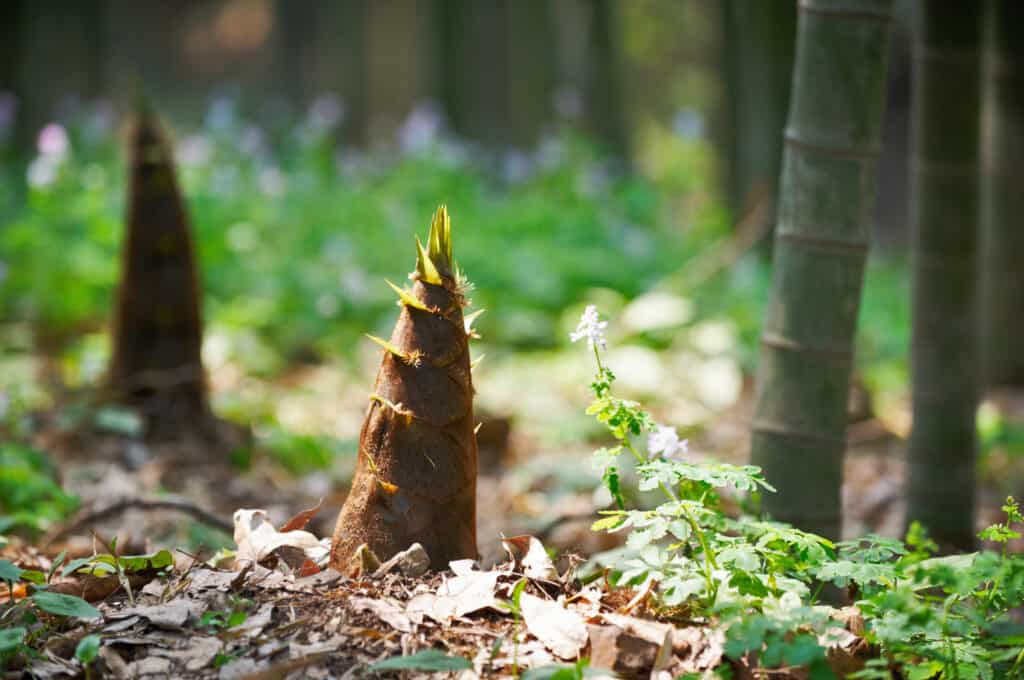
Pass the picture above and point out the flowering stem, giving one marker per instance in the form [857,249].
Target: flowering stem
[641,459]
[709,562]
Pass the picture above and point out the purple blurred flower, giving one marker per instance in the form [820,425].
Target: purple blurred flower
[8,112]
[221,114]
[53,140]
[516,166]
[568,102]
[688,124]
[253,141]
[421,127]
[326,111]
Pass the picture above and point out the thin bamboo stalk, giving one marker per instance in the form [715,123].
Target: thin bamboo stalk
[944,202]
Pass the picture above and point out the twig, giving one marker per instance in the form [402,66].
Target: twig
[281,670]
[116,508]
[753,224]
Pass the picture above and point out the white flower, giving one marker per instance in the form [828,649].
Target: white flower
[43,171]
[665,440]
[272,181]
[194,150]
[591,328]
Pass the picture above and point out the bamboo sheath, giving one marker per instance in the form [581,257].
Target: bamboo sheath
[156,365]
[415,479]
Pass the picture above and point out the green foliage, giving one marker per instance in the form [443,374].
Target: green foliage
[88,649]
[1003,532]
[219,620]
[223,658]
[30,498]
[11,638]
[10,572]
[64,605]
[299,453]
[513,606]
[428,660]
[576,671]
[998,432]
[936,617]
[105,564]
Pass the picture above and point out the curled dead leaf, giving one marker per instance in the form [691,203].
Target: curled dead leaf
[300,520]
[256,539]
[530,556]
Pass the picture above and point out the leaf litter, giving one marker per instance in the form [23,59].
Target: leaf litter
[257,616]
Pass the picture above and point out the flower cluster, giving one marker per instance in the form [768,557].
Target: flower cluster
[665,440]
[591,328]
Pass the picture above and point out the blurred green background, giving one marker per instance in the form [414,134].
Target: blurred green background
[590,151]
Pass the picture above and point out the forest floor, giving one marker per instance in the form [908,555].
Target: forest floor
[192,619]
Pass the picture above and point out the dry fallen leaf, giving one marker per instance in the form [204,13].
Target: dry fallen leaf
[563,631]
[470,590]
[437,607]
[299,521]
[198,654]
[388,610]
[698,648]
[529,554]
[587,601]
[466,592]
[171,615]
[256,538]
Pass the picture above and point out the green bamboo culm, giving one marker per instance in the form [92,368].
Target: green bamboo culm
[760,41]
[945,191]
[1002,277]
[827,196]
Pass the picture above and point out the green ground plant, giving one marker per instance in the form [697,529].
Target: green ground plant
[33,617]
[31,499]
[934,617]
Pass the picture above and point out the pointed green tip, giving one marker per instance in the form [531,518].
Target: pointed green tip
[425,265]
[436,259]
[387,346]
[441,237]
[141,102]
[407,298]
[143,109]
